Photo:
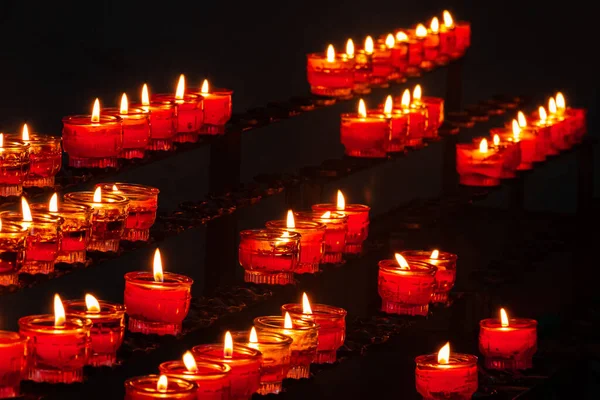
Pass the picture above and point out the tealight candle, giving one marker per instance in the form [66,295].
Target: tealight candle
[536,150]
[447,36]
[312,235]
[217,109]
[508,343]
[269,256]
[93,141]
[462,32]
[406,287]
[479,165]
[14,166]
[435,111]
[163,121]
[446,376]
[108,327]
[304,334]
[330,74]
[276,353]
[546,130]
[157,302]
[363,135]
[332,326]
[57,347]
[109,212]
[401,53]
[525,141]
[245,363]
[399,125]
[576,116]
[417,119]
[45,155]
[445,275]
[190,112]
[431,44]
[363,65]
[13,239]
[358,221]
[560,131]
[336,227]
[12,363]
[383,70]
[416,50]
[136,128]
[510,151]
[160,387]
[213,378]
[143,203]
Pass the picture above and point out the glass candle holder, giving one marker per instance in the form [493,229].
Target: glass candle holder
[415,55]
[304,345]
[14,167]
[545,133]
[417,124]
[213,379]
[146,387]
[383,70]
[508,347]
[431,48]
[56,355]
[363,68]
[12,363]
[510,151]
[108,218]
[217,111]
[13,239]
[332,328]
[312,236]
[477,168]
[276,355]
[143,203]
[45,156]
[562,136]
[400,58]
[157,307]
[365,136]
[330,78]
[578,116]
[455,380]
[136,131]
[268,256]
[358,223]
[525,147]
[108,329]
[445,275]
[190,115]
[245,366]
[336,227]
[406,291]
[462,32]
[92,144]
[162,116]
[435,115]
[447,41]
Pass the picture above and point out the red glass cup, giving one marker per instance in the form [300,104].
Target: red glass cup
[12,363]
[476,168]
[213,378]
[456,380]
[383,70]
[400,58]
[56,355]
[579,121]
[417,124]
[366,137]
[136,131]
[415,56]
[92,144]
[406,291]
[508,347]
[217,111]
[269,256]
[363,68]
[336,227]
[435,115]
[358,223]
[445,275]
[190,115]
[45,156]
[526,143]
[14,167]
[431,49]
[162,116]
[332,79]
[157,307]
[399,128]
[447,41]
[462,31]
[510,151]
[13,240]
[146,388]
[312,236]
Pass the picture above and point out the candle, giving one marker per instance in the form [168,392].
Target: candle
[405,287]
[363,135]
[75,229]
[363,65]
[445,275]
[109,212]
[276,353]
[45,156]
[508,343]
[417,119]
[358,221]
[576,117]
[190,112]
[336,227]
[160,387]
[217,109]
[143,203]
[93,141]
[446,376]
[108,327]
[479,165]
[157,302]
[509,151]
[332,326]
[43,239]
[434,111]
[330,74]
[383,70]
[462,32]
[136,128]
[399,125]
[269,256]
[447,36]
[312,235]
[12,363]
[305,338]
[431,44]
[57,347]
[514,138]
[546,130]
[163,121]
[536,149]
[13,239]
[416,50]
[213,378]
[561,134]
[245,363]
[401,53]
[14,166]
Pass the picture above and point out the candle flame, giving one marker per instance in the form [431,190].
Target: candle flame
[157,267]
[287,321]
[91,303]
[521,119]
[306,309]
[401,261]
[401,36]
[59,312]
[362,108]
[124,104]
[369,45]
[25,134]
[1,140]
[228,346]
[389,105]
[96,111]
[253,336]
[330,53]
[435,254]
[405,102]
[180,91]
[444,354]
[516,129]
[25,210]
[417,92]
[434,25]
[53,203]
[495,139]
[389,41]
[0,224]
[552,105]
[350,48]
[204,89]
[190,362]
[503,318]
[326,214]
[421,31]
[290,223]
[341,201]
[115,188]
[542,114]
[448,20]
[483,145]
[97,195]
[145,95]
[162,384]
[560,101]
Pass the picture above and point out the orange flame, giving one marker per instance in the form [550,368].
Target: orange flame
[53,203]
[59,312]
[157,267]
[401,261]
[26,211]
[228,346]
[389,105]
[516,129]
[362,109]
[162,384]
[253,336]
[421,31]
[417,92]
[405,102]
[341,201]
[435,254]
[552,105]
[542,114]
[401,36]
[560,102]
[434,25]
[389,41]
[190,362]
[483,145]
[96,111]
[91,303]
[330,53]
[145,95]
[97,195]
[350,48]
[290,222]
[306,309]
[204,88]
[326,214]
[444,354]
[448,20]
[287,321]
[180,91]
[1,140]
[521,119]
[25,134]
[496,140]
[124,104]
[369,45]
[503,318]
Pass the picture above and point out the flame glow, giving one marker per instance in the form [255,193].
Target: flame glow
[496,140]
[115,188]
[362,108]
[521,119]
[290,222]
[162,384]
[350,48]
[483,145]
[401,36]
[552,105]
[1,140]
[417,92]
[435,254]
[25,210]
[287,321]
[405,102]
[389,41]
[180,91]
[25,134]
[253,336]
[204,89]
[59,312]
[401,261]
[124,109]
[542,114]
[434,25]
[330,53]
[444,354]
[326,214]
[145,95]
[157,267]
[306,309]
[516,129]
[503,318]
[389,105]
[448,20]
[228,346]
[91,303]
[421,31]
[97,195]
[190,362]
[560,101]
[96,111]
[0,225]
[341,201]
[53,203]
[369,45]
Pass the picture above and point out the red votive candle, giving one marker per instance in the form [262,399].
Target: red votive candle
[276,355]
[508,343]
[399,125]
[136,128]
[217,109]
[157,302]
[516,137]
[143,203]
[45,156]
[400,53]
[462,32]
[445,276]
[383,70]
[160,387]
[163,121]
[510,151]
[14,166]
[479,165]
[446,376]
[536,150]
[575,116]
[336,227]
[332,326]
[435,111]
[363,65]
[269,256]
[563,134]
[431,44]
[13,239]
[448,36]
[417,119]
[93,141]
[330,74]
[312,236]
[416,50]
[57,347]
[363,135]
[12,363]
[546,131]
[304,334]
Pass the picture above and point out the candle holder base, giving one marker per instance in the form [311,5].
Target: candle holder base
[362,88]
[413,71]
[186,137]
[9,279]
[478,180]
[331,92]
[269,388]
[299,372]
[525,167]
[72,257]
[366,153]
[353,248]
[442,60]
[415,143]
[37,267]
[332,258]
[508,363]
[390,307]
[103,246]
[427,65]
[153,328]
[102,359]
[108,162]
[129,154]
[11,190]
[55,375]
[208,129]
[380,82]
[326,357]
[39,182]
[508,174]
[262,278]
[395,148]
[160,145]
[439,297]
[8,392]
[136,235]
[307,268]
